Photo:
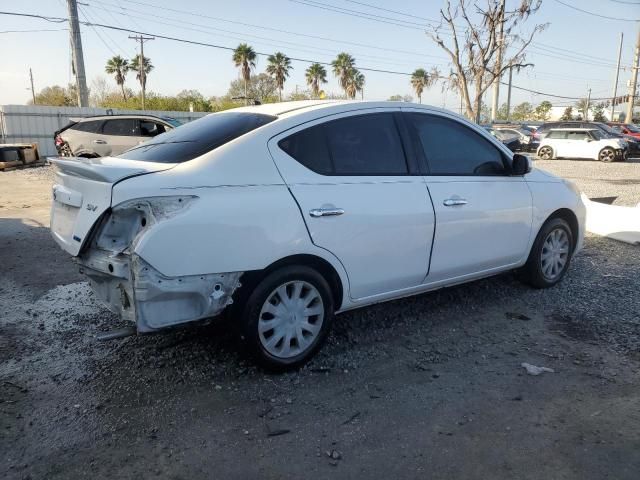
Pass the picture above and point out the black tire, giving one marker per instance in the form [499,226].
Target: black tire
[532,272]
[251,311]
[607,155]
[542,152]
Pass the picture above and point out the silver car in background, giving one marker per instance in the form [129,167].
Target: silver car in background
[106,135]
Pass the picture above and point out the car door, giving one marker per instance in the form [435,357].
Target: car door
[483,215]
[361,197]
[578,144]
[120,134]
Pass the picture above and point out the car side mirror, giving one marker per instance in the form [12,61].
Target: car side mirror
[521,164]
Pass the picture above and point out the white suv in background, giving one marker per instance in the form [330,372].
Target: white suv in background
[581,143]
[106,135]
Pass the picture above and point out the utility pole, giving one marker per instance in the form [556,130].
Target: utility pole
[586,109]
[634,81]
[141,64]
[33,91]
[76,51]
[498,67]
[509,94]
[615,84]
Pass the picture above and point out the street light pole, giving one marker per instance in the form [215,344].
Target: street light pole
[634,81]
[33,91]
[615,84]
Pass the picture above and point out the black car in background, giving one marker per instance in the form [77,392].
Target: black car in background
[633,142]
[512,141]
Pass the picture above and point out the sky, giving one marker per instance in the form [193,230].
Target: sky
[575,52]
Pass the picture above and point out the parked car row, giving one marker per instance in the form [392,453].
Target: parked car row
[283,214]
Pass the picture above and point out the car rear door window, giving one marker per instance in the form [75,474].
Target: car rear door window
[557,134]
[366,145]
[197,138]
[90,126]
[451,148]
[577,135]
[121,127]
[358,145]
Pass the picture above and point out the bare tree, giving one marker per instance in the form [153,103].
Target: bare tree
[473,48]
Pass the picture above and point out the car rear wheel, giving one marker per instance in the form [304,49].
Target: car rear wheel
[545,153]
[607,155]
[550,255]
[287,317]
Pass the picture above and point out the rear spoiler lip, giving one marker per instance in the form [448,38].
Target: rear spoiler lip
[84,167]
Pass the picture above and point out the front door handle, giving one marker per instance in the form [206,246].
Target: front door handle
[325,212]
[101,142]
[452,202]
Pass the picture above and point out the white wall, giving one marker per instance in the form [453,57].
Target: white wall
[37,124]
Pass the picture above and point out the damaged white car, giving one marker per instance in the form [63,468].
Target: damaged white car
[285,214]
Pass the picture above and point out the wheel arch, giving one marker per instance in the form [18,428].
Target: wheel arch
[250,279]
[570,217]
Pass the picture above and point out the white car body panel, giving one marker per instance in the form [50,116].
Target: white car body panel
[245,207]
[571,148]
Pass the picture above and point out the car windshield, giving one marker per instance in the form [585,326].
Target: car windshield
[597,134]
[197,138]
[608,129]
[632,128]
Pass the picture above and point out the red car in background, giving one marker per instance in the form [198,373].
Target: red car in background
[625,128]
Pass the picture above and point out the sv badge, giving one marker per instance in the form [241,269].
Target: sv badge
[91,207]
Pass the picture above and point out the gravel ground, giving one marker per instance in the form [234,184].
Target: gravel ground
[428,386]
[619,180]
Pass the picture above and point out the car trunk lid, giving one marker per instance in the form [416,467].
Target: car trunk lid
[82,193]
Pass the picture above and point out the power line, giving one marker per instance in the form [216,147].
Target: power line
[597,14]
[242,37]
[222,47]
[404,14]
[36,31]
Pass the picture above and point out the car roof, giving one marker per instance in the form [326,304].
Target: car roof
[579,129]
[116,116]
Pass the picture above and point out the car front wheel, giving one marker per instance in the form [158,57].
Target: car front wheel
[287,317]
[550,255]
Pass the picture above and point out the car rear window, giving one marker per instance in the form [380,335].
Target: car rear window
[197,138]
[90,126]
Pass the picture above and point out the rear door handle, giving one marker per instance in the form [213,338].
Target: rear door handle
[101,142]
[452,202]
[325,212]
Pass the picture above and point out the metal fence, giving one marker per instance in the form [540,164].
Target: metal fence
[37,124]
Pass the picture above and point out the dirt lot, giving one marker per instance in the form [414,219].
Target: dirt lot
[426,387]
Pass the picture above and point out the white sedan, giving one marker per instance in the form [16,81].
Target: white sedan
[282,215]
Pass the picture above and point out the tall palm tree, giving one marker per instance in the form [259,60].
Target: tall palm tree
[421,79]
[118,66]
[355,83]
[244,57]
[279,66]
[146,69]
[316,74]
[343,67]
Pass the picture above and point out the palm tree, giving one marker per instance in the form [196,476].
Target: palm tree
[343,67]
[278,67]
[118,66]
[146,68]
[420,80]
[244,57]
[355,83]
[316,74]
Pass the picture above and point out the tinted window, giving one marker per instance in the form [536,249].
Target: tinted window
[198,137]
[150,129]
[366,145]
[309,147]
[454,149]
[557,134]
[91,126]
[121,127]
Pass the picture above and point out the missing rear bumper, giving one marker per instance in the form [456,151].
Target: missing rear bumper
[137,292]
